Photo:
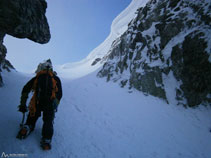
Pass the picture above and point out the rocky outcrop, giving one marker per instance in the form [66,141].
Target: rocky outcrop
[166,37]
[22,19]
[191,66]
[4,64]
[25,19]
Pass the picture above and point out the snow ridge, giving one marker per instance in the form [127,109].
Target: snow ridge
[118,27]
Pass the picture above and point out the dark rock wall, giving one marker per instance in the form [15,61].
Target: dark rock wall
[191,65]
[25,19]
[166,36]
[22,19]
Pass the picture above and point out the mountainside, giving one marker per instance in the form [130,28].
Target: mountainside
[94,60]
[165,52]
[22,19]
[98,119]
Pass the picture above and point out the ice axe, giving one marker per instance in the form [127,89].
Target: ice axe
[23,119]
[21,127]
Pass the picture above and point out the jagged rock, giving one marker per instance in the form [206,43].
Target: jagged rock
[150,82]
[165,36]
[25,19]
[4,64]
[22,19]
[169,30]
[96,61]
[173,3]
[191,65]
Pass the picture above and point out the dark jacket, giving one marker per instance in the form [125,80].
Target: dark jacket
[28,87]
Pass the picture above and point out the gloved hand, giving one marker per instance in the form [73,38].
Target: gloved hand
[55,104]
[24,97]
[22,108]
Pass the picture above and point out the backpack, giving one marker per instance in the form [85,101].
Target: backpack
[44,88]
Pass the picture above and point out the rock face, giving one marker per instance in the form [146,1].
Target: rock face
[22,19]
[25,19]
[4,64]
[168,40]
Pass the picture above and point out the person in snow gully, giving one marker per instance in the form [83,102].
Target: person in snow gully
[47,93]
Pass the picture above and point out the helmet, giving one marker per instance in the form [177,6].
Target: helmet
[46,65]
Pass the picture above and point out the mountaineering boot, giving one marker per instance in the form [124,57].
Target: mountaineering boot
[45,144]
[24,132]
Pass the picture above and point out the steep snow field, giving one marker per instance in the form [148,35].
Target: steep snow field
[101,120]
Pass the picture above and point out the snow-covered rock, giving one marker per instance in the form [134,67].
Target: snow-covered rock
[166,37]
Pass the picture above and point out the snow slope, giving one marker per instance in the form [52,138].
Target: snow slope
[118,27]
[97,119]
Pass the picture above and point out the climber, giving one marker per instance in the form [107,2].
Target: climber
[47,93]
